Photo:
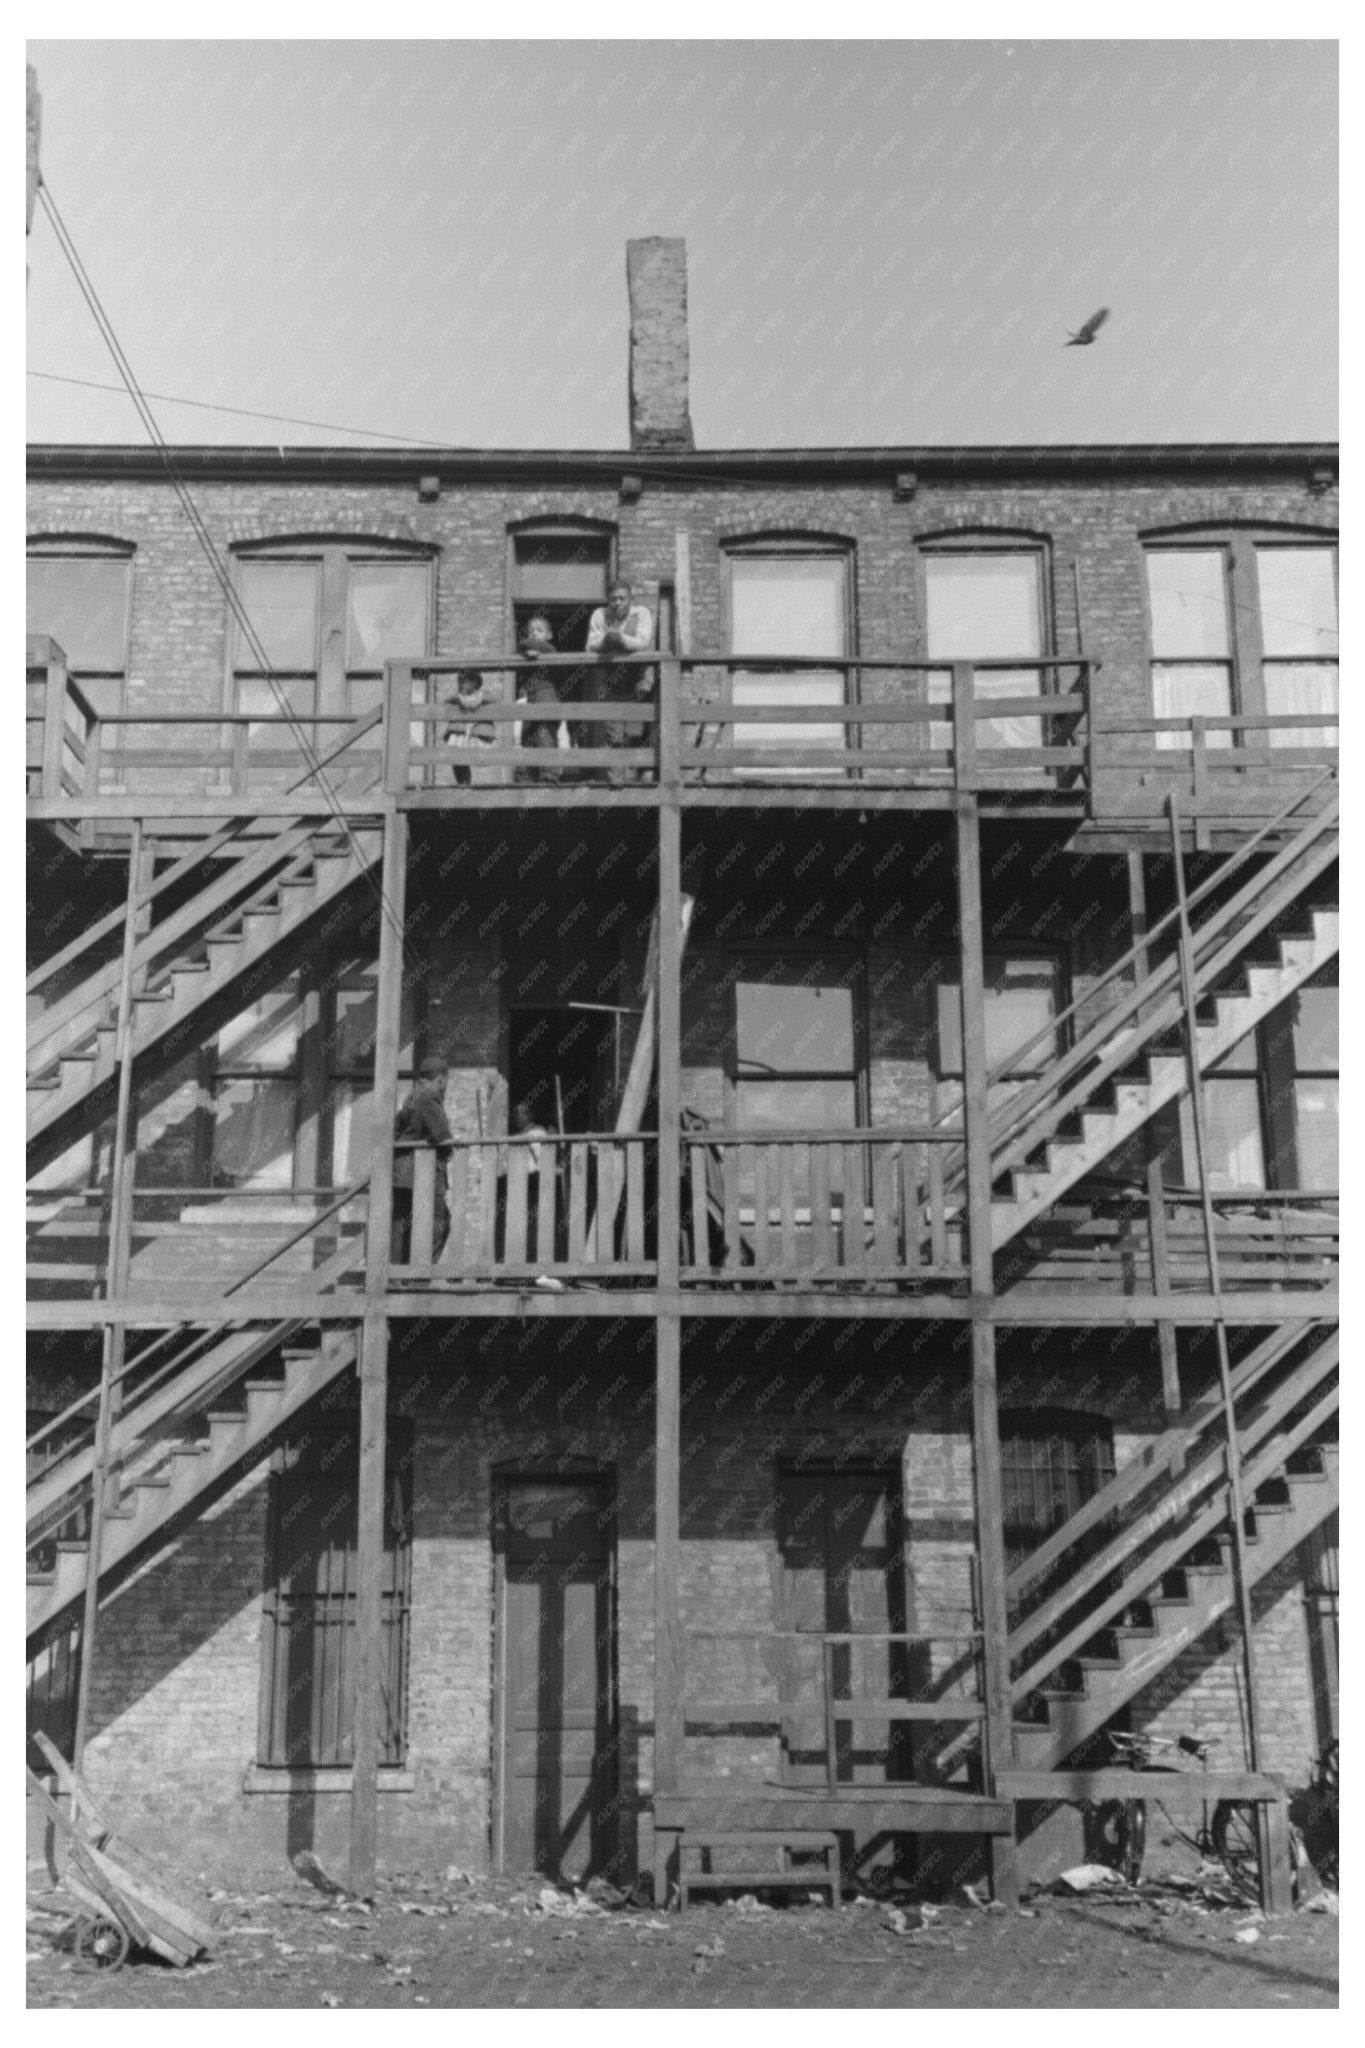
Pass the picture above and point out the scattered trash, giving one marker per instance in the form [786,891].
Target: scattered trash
[453,1874]
[307,1866]
[710,1949]
[974,1895]
[749,1908]
[1324,1902]
[565,1905]
[330,1998]
[605,1895]
[895,1920]
[1247,1934]
[1088,1877]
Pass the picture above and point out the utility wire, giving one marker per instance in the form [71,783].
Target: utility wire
[244,412]
[207,544]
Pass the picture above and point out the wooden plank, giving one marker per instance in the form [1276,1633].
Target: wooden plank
[488,1203]
[578,1204]
[855,1229]
[514,1228]
[1187,1789]
[763,1155]
[786,1155]
[730,1170]
[421,1249]
[547,1201]
[634,1152]
[454,1254]
[885,1161]
[698,1158]
[821,1209]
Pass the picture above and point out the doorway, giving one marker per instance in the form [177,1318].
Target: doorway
[840,1538]
[566,1066]
[556,1678]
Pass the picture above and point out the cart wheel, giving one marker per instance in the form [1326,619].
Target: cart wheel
[100,1945]
[1121,1827]
[1238,1846]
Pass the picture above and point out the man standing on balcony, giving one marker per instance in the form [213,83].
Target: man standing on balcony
[421,1120]
[618,627]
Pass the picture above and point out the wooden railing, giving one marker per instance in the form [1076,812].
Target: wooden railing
[59,719]
[819,1205]
[899,721]
[1267,1238]
[527,1209]
[838,1696]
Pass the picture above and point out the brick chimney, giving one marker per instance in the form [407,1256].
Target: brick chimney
[656,274]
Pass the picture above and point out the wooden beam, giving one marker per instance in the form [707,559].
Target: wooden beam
[668,1334]
[373,1364]
[990,1544]
[1156,1194]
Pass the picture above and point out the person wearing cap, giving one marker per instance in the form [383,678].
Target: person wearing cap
[421,1120]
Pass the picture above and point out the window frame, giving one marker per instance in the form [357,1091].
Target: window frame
[1238,542]
[77,547]
[335,554]
[985,540]
[1075,1430]
[949,974]
[792,544]
[854,957]
[561,527]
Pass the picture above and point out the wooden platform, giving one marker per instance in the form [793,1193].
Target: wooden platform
[755,1805]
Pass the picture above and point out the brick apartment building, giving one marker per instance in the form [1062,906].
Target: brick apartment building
[817,1416]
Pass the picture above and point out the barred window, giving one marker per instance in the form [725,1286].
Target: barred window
[1052,1461]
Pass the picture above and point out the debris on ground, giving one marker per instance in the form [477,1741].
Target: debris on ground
[1247,1934]
[567,1905]
[1090,1877]
[308,1867]
[974,1894]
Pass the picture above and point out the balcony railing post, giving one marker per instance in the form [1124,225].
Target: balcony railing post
[396,729]
[964,726]
[54,721]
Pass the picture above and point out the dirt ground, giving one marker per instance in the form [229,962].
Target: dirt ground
[456,1941]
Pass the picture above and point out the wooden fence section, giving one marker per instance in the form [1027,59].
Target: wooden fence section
[820,1205]
[1271,1238]
[526,1208]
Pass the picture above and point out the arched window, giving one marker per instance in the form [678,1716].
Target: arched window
[80,593]
[788,594]
[561,568]
[986,597]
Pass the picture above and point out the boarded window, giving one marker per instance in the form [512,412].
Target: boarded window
[309,1637]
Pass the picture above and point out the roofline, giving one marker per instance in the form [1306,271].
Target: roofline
[453,465]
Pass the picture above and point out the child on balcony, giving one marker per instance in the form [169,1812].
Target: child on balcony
[467,735]
[538,688]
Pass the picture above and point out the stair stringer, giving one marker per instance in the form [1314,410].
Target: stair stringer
[158,1503]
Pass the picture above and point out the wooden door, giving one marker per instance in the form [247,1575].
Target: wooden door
[557,1678]
[842,1573]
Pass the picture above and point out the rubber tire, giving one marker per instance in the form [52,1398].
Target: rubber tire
[100,1944]
[1238,1845]
[1123,1833]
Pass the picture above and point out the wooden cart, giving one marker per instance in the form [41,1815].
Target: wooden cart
[122,1900]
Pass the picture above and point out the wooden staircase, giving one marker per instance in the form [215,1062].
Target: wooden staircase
[251,920]
[169,1460]
[1149,1559]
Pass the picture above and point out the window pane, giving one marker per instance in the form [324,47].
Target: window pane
[561,568]
[1192,690]
[260,697]
[1019,731]
[1188,592]
[387,613]
[1315,1133]
[1021,1000]
[796,1105]
[83,603]
[982,606]
[1233,1123]
[352,1121]
[1298,600]
[264,1036]
[253,1133]
[1301,686]
[791,1024]
[1316,1038]
[787,604]
[281,601]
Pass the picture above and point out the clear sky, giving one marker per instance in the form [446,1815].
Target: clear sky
[887,242]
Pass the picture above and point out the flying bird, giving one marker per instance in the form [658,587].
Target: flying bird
[1083,336]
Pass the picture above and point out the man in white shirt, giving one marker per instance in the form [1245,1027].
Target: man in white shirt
[618,627]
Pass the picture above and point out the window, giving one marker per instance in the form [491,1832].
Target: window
[1232,1123]
[797,1045]
[1298,600]
[1315,1044]
[350,1009]
[325,618]
[1051,1463]
[563,572]
[789,598]
[80,593]
[986,604]
[308,1639]
[1022,997]
[1191,648]
[256,1094]
[1244,625]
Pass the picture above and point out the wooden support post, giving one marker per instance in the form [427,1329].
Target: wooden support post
[668,1726]
[1156,1192]
[373,1366]
[122,1168]
[1236,1503]
[54,722]
[998,1748]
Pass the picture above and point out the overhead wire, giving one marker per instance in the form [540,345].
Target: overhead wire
[210,551]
